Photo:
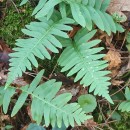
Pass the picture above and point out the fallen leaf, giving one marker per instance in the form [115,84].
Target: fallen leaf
[74,31]
[107,39]
[128,65]
[5,117]
[125,68]
[3,77]
[119,5]
[114,59]
[29,113]
[90,124]
[117,82]
[19,82]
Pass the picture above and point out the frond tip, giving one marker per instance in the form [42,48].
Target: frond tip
[80,57]
[45,103]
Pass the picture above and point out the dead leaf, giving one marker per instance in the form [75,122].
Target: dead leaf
[5,117]
[125,68]
[29,113]
[3,77]
[74,31]
[119,5]
[117,82]
[114,59]
[90,124]
[128,65]
[107,39]
[114,72]
[19,82]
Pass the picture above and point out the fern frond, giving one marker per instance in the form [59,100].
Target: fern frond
[42,39]
[45,103]
[80,57]
[125,106]
[84,12]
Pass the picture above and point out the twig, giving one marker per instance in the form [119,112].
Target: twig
[34,75]
[118,91]
[53,70]
[112,113]
[15,6]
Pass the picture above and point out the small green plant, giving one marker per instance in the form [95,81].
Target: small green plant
[128,41]
[125,106]
[80,57]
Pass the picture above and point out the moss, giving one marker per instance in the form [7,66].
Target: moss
[124,124]
[13,20]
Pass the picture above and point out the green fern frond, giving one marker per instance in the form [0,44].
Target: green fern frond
[80,57]
[45,103]
[84,12]
[42,39]
[125,106]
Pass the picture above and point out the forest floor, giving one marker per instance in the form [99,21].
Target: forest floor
[117,49]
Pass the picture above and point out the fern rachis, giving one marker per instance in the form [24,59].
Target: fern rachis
[79,57]
[30,48]
[45,103]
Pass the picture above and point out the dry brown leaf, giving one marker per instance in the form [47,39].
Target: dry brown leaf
[128,65]
[117,82]
[29,113]
[5,117]
[114,72]
[90,124]
[119,5]
[3,77]
[125,68]
[108,39]
[114,59]
[19,82]
[74,31]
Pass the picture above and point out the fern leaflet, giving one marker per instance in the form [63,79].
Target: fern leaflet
[42,39]
[80,57]
[83,12]
[125,105]
[45,103]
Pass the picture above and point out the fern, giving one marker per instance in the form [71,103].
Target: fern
[80,57]
[125,105]
[83,11]
[45,103]
[42,39]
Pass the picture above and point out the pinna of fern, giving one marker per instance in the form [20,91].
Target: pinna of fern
[84,12]
[45,103]
[42,38]
[125,105]
[81,58]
